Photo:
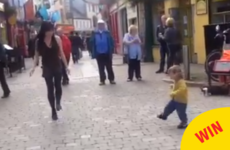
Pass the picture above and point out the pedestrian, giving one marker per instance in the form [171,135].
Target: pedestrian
[87,41]
[133,50]
[102,50]
[173,39]
[179,97]
[4,85]
[76,43]
[163,45]
[66,46]
[49,46]
[31,45]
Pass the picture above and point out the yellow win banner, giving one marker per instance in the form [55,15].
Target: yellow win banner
[208,131]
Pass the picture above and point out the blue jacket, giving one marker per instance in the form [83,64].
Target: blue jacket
[133,50]
[105,46]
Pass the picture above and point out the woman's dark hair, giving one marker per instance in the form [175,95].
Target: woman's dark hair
[45,27]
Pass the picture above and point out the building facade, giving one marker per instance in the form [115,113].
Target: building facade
[85,14]
[122,15]
[191,16]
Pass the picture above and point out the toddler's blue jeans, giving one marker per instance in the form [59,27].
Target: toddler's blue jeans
[180,109]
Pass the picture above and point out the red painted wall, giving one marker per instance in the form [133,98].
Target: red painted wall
[29,10]
[115,32]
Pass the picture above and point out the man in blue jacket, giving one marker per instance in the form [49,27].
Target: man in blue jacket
[102,51]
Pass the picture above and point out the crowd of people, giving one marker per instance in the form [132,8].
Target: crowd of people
[55,48]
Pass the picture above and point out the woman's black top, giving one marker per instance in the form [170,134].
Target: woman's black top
[51,61]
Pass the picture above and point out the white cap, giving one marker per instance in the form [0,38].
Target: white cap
[100,21]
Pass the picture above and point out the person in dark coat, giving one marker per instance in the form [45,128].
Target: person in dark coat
[88,46]
[4,85]
[76,43]
[163,45]
[173,39]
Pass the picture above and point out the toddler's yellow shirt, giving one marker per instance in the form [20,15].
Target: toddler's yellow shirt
[179,92]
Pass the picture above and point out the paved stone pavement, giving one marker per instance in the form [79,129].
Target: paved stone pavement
[112,117]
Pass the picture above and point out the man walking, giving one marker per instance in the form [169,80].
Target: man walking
[102,50]
[5,88]
[76,43]
[163,46]
[66,44]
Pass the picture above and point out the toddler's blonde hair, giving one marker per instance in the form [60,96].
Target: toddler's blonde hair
[175,69]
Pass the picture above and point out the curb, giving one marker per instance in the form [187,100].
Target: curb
[189,83]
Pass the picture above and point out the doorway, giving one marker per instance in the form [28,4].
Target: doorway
[187,26]
[124,22]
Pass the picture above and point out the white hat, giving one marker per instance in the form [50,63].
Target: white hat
[100,21]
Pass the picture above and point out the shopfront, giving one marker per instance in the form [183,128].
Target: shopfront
[3,31]
[115,28]
[190,17]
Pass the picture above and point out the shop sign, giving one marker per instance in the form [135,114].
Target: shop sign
[201,7]
[2,7]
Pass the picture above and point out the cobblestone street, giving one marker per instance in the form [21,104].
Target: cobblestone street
[111,117]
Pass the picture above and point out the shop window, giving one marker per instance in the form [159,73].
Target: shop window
[220,11]
[157,11]
[62,16]
[133,21]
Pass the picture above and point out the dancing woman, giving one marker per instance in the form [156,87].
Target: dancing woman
[49,47]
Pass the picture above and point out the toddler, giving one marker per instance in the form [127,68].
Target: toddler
[179,97]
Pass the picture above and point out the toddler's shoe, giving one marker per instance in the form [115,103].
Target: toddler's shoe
[162,117]
[182,125]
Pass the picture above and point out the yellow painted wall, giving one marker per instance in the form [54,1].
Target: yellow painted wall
[170,4]
[156,54]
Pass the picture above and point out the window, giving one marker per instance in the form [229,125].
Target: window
[94,10]
[62,15]
[133,21]
[97,8]
[88,7]
[220,11]
[157,10]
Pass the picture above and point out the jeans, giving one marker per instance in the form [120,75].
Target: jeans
[179,107]
[3,82]
[104,61]
[134,66]
[54,89]
[163,55]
